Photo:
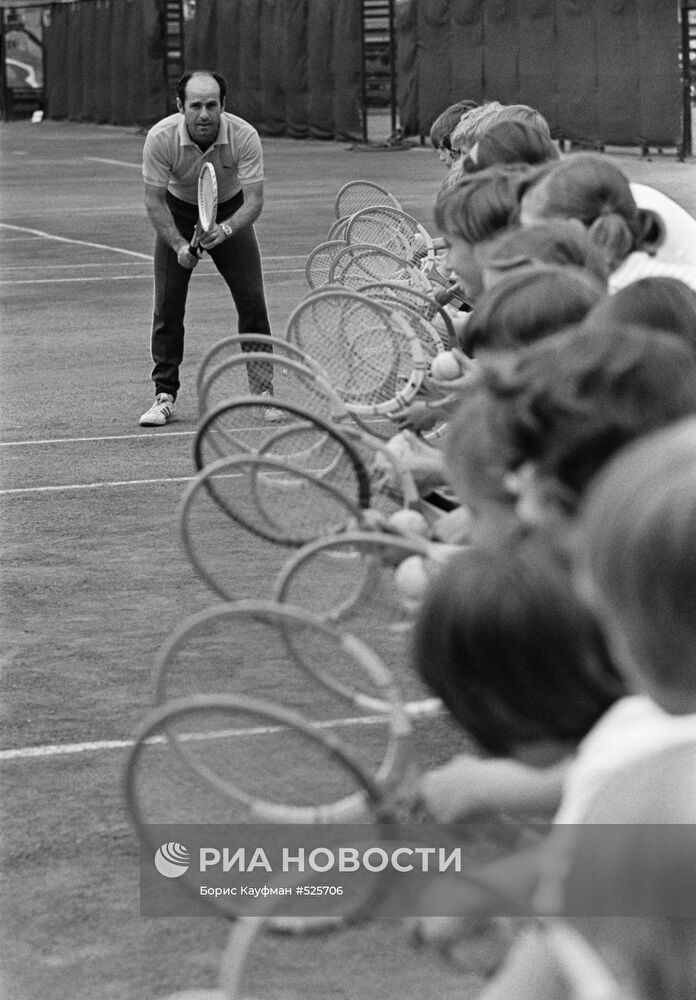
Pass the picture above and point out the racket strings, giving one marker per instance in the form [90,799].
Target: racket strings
[420,302]
[228,650]
[359,194]
[295,507]
[338,229]
[212,760]
[361,264]
[279,501]
[312,449]
[291,383]
[349,582]
[319,261]
[428,334]
[207,197]
[229,347]
[393,230]
[358,343]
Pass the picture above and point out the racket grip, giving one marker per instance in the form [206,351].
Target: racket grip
[445,295]
[194,247]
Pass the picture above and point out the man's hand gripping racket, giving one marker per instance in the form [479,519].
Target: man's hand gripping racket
[207,207]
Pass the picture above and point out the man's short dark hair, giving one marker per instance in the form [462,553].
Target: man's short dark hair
[183,81]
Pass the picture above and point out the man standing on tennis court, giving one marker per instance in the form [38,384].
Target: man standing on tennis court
[175,150]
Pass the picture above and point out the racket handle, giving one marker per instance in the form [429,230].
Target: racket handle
[445,295]
[194,246]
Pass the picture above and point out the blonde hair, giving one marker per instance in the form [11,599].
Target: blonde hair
[475,123]
[639,552]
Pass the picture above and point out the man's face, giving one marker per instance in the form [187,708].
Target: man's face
[202,109]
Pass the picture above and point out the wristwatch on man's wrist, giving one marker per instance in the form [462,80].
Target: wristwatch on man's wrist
[227,229]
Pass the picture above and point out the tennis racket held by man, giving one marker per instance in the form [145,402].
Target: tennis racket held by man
[207,207]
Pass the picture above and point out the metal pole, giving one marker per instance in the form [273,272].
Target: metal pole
[687,139]
[3,71]
[392,64]
[363,73]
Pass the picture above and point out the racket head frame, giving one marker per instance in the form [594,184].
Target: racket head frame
[160,721]
[207,197]
[397,324]
[414,241]
[357,194]
[252,341]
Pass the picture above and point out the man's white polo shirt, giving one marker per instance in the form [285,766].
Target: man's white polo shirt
[172,159]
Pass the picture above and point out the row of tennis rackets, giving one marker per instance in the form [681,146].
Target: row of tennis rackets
[369,217]
[307,480]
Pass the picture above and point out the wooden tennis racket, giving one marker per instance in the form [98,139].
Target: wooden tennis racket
[350,580]
[360,264]
[319,261]
[277,501]
[216,758]
[422,302]
[207,206]
[338,229]
[247,646]
[361,194]
[229,347]
[231,745]
[394,230]
[374,359]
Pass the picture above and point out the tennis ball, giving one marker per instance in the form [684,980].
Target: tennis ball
[408,522]
[445,366]
[411,579]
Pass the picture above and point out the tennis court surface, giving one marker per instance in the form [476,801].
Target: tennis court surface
[93,575]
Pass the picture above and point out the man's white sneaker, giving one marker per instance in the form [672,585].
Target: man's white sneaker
[271,414]
[160,413]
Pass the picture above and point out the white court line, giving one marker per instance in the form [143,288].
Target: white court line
[117,163]
[66,239]
[95,486]
[127,277]
[428,706]
[69,281]
[8,268]
[144,435]
[106,437]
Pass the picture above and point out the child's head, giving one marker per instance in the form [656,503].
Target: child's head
[465,133]
[556,241]
[478,121]
[443,126]
[473,209]
[572,400]
[529,304]
[637,561]
[593,189]
[513,654]
[660,303]
[509,141]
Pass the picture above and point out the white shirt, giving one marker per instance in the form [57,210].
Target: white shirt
[633,729]
[171,159]
[679,246]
